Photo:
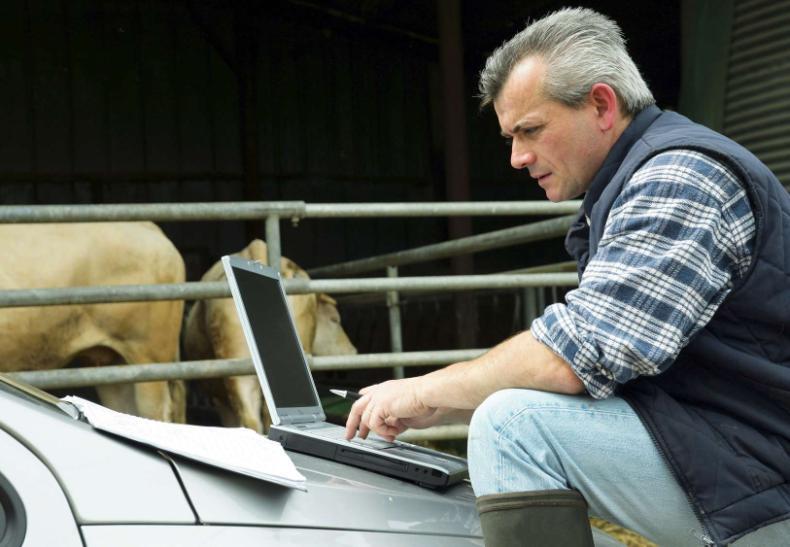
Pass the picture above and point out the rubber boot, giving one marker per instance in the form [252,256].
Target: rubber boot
[543,518]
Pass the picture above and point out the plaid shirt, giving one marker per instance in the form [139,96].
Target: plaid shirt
[678,237]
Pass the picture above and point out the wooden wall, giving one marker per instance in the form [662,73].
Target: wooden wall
[130,101]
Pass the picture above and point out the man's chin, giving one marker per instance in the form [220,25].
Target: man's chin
[553,197]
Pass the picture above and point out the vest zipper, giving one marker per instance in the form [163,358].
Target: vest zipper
[706,537]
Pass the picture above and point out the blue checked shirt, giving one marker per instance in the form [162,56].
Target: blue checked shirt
[678,237]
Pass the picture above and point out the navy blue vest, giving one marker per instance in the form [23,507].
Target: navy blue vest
[720,414]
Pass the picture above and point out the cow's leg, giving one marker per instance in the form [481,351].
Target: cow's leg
[217,393]
[154,400]
[161,400]
[246,401]
[118,397]
[165,401]
[178,398]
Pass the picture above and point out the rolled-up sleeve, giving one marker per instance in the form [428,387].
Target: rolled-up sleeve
[677,238]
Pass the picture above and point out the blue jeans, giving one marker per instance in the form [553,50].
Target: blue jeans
[522,440]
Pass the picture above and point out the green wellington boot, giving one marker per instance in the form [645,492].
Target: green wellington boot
[543,518]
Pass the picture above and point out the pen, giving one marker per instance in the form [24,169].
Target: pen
[346,394]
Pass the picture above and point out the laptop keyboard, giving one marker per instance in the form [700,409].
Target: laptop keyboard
[340,434]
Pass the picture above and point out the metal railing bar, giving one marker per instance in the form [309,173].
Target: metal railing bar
[194,290]
[567,266]
[436,433]
[428,209]
[200,290]
[386,360]
[517,235]
[378,298]
[218,368]
[395,325]
[251,210]
[273,243]
[121,374]
[157,212]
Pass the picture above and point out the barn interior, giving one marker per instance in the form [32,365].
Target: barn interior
[336,101]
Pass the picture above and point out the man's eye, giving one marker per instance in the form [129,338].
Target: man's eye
[530,130]
[508,142]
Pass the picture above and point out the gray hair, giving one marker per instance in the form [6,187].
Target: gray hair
[580,47]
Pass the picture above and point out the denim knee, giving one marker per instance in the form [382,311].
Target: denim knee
[507,449]
[482,445]
[500,408]
[484,418]
[488,420]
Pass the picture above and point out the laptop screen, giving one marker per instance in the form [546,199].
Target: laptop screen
[278,345]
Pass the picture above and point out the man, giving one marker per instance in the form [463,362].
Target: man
[659,393]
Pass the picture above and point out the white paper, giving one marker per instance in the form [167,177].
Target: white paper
[236,449]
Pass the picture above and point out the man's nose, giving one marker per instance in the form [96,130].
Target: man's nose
[520,157]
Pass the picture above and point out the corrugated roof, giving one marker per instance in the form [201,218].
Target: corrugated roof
[757,105]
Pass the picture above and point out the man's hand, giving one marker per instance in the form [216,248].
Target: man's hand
[388,409]
[455,391]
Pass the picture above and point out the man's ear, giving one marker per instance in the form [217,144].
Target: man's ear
[606,104]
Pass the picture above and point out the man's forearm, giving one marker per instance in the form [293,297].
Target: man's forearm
[390,407]
[520,361]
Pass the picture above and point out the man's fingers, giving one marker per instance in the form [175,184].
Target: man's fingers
[351,425]
[355,417]
[389,433]
[379,410]
[365,424]
[364,431]
[373,420]
[365,389]
[387,427]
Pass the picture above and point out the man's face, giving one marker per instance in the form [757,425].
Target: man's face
[561,146]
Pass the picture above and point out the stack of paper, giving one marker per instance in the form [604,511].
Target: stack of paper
[236,449]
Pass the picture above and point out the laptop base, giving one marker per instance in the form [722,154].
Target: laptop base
[415,465]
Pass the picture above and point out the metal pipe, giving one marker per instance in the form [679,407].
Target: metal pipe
[189,370]
[246,210]
[219,289]
[113,293]
[385,360]
[567,266]
[437,433]
[437,209]
[120,374]
[375,298]
[151,211]
[396,332]
[273,241]
[200,290]
[530,299]
[517,235]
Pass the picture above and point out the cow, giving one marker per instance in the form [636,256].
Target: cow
[52,337]
[213,331]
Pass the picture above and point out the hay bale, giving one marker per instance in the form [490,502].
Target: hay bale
[624,536]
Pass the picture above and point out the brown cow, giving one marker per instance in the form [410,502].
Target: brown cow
[50,337]
[213,331]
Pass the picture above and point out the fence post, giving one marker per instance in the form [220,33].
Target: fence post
[540,305]
[273,241]
[529,305]
[396,334]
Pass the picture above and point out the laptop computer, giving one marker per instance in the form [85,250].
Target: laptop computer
[298,420]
